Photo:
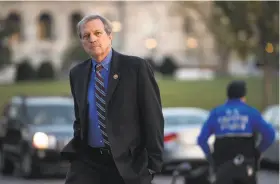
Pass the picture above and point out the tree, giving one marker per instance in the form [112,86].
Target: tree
[253,22]
[248,27]
[46,71]
[168,66]
[216,23]
[258,21]
[25,71]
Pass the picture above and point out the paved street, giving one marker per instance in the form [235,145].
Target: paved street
[265,177]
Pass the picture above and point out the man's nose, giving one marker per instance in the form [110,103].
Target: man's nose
[92,38]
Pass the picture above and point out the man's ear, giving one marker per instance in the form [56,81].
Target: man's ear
[111,36]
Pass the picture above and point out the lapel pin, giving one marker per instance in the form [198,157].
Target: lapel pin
[115,76]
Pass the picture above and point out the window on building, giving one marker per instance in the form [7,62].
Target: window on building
[75,18]
[45,27]
[13,27]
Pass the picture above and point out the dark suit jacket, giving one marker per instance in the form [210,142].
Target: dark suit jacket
[134,116]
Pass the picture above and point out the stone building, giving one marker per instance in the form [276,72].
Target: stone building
[45,29]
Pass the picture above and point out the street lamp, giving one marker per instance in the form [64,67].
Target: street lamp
[117,26]
[150,43]
[191,43]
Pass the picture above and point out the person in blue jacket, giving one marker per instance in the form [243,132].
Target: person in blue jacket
[236,126]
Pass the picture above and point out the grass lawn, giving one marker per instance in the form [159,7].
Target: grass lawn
[205,94]
[208,94]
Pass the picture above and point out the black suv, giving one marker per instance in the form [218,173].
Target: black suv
[33,130]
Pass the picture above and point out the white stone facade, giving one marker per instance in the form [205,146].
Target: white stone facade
[140,20]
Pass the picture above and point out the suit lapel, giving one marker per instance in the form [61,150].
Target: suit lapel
[114,76]
[85,81]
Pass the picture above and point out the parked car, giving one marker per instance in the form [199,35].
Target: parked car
[182,127]
[33,131]
[271,115]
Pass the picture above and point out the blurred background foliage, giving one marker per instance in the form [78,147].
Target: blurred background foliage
[248,28]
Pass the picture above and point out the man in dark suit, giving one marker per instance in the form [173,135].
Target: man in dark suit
[118,130]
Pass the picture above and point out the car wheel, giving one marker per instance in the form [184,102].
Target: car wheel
[26,166]
[6,167]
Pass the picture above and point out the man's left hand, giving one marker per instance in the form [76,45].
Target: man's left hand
[151,171]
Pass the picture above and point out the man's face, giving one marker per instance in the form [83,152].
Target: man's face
[95,40]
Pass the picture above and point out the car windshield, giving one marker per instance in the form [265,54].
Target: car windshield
[51,114]
[183,120]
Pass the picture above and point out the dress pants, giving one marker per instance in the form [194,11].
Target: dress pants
[229,173]
[93,167]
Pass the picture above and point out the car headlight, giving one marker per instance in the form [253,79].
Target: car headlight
[43,141]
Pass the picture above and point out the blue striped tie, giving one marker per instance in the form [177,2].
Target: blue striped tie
[100,95]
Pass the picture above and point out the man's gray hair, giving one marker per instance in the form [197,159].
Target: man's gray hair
[107,24]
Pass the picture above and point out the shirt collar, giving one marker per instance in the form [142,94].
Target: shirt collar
[105,63]
[235,101]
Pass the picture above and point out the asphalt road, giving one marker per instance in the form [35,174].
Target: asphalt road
[265,177]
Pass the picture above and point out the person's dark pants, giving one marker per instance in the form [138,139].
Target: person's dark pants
[93,167]
[229,173]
